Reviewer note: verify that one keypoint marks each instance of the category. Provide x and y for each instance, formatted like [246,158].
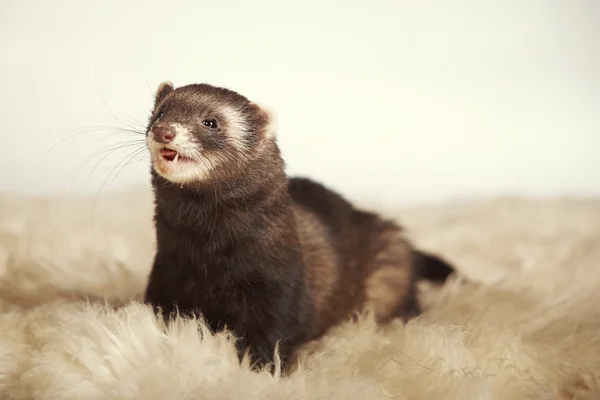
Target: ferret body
[276,260]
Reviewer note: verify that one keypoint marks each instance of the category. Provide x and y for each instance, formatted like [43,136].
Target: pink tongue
[168,154]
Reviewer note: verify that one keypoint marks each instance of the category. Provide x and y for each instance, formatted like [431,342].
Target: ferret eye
[160,114]
[211,123]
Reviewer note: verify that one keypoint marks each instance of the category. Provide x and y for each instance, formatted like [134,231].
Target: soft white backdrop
[398,100]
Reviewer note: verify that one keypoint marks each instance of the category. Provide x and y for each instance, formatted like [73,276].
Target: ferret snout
[163,134]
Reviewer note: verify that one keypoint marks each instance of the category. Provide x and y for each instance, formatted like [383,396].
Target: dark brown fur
[275,260]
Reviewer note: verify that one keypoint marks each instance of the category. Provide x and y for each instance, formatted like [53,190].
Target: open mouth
[171,155]
[177,166]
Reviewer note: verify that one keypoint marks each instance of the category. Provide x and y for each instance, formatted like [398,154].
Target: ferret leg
[390,287]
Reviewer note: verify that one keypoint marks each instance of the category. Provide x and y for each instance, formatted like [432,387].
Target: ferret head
[197,130]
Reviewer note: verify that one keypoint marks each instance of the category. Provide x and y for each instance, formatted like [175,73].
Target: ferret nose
[163,134]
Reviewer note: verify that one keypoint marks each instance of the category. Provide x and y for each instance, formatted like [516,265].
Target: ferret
[275,260]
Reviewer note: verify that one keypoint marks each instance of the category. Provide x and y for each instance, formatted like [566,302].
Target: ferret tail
[432,267]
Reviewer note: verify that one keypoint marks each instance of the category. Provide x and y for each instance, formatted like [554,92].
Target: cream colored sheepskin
[526,326]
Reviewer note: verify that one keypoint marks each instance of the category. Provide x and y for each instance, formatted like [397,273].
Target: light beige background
[403,100]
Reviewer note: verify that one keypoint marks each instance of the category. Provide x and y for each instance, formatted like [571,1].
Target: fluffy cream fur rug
[525,326]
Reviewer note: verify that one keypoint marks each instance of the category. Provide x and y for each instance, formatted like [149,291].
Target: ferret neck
[243,197]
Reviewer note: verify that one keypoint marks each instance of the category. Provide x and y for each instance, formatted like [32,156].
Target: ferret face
[196,130]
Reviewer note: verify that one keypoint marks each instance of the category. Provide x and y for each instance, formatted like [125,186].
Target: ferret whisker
[106,104]
[103,184]
[134,122]
[108,150]
[94,168]
[140,155]
[113,147]
[128,161]
[141,131]
[143,156]
[147,84]
[141,151]
[94,130]
[136,160]
[121,133]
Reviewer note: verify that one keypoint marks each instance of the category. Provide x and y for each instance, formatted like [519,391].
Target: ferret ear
[163,90]
[264,120]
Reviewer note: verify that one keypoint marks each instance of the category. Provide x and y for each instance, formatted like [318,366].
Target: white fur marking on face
[181,171]
[237,127]
[183,138]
